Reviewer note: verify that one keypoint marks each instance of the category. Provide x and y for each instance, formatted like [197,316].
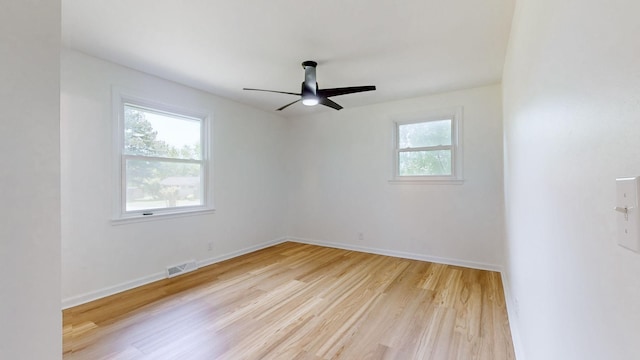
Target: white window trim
[120,97]
[455,114]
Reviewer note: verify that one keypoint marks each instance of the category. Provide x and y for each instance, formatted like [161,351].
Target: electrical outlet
[210,246]
[360,236]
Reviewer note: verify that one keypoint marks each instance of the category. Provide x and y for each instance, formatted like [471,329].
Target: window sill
[414,181]
[159,216]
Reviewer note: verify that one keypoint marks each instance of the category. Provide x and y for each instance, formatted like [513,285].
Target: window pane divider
[163,159]
[426,148]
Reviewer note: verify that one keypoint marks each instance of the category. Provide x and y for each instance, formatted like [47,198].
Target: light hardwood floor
[297,301]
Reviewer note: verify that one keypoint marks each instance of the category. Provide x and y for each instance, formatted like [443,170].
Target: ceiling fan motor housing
[309,86]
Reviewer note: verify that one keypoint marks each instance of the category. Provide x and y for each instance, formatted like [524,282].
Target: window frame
[121,98]
[455,115]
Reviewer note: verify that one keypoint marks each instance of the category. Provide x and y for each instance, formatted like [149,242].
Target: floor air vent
[181,269]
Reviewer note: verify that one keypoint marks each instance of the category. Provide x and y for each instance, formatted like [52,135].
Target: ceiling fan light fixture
[310,101]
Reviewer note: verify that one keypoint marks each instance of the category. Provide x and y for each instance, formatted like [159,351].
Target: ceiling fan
[311,95]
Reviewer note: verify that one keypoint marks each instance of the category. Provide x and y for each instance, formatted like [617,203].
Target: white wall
[249,162]
[30,180]
[572,126]
[341,164]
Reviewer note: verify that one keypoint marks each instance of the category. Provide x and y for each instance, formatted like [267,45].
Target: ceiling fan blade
[289,104]
[344,90]
[273,91]
[330,103]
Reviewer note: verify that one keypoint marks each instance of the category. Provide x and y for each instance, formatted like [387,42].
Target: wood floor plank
[299,301]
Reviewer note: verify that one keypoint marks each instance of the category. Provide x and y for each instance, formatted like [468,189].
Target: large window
[162,160]
[428,148]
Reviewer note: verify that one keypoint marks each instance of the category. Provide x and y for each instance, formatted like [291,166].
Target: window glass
[150,133]
[421,163]
[162,184]
[423,134]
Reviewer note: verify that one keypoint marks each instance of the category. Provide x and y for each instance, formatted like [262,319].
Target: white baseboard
[400,254]
[112,290]
[513,318]
[240,252]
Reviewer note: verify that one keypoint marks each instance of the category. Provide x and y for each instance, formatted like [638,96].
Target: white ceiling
[406,48]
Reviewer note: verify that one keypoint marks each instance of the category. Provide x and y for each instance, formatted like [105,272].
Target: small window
[429,148]
[162,160]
